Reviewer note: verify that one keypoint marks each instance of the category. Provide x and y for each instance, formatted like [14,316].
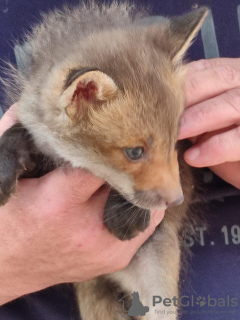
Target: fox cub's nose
[175,201]
[153,199]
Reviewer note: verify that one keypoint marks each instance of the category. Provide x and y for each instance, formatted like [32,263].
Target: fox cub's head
[122,102]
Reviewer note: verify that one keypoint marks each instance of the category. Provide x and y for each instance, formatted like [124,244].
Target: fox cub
[101,88]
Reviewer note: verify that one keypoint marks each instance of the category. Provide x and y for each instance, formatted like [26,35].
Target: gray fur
[138,56]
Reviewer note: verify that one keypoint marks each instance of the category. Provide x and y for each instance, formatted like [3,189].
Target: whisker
[133,219]
[116,217]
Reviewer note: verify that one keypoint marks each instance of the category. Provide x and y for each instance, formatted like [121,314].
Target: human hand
[52,231]
[212,117]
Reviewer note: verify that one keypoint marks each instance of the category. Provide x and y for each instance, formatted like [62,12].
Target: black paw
[15,159]
[123,219]
[8,177]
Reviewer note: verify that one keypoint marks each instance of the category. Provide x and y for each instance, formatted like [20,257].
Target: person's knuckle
[218,142]
[199,113]
[237,134]
[213,146]
[232,97]
[192,86]
[227,74]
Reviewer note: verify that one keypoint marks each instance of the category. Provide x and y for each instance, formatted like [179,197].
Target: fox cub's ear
[182,30]
[85,88]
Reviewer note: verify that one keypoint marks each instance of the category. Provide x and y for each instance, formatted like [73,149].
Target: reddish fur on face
[147,119]
[154,171]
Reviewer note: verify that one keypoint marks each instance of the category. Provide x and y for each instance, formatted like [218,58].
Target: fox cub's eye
[134,153]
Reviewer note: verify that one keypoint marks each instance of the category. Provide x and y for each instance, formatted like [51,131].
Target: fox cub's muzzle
[157,199]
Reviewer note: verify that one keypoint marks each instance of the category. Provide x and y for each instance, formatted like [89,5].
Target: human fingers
[204,64]
[212,80]
[214,149]
[216,113]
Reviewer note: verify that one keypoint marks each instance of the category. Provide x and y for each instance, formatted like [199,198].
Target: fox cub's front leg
[16,149]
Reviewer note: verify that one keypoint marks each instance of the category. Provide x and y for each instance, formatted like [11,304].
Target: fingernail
[192,154]
[200,65]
